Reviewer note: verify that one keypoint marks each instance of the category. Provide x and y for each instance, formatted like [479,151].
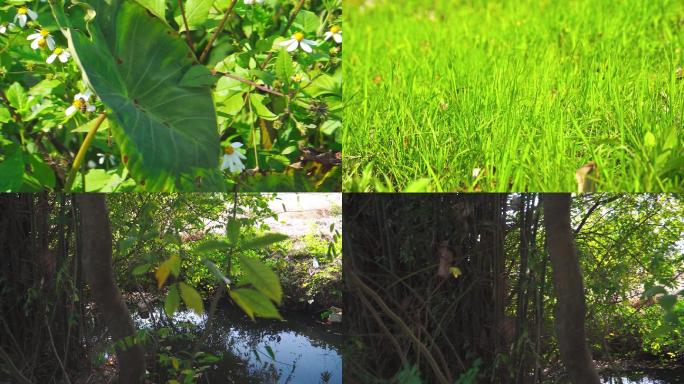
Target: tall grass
[526,91]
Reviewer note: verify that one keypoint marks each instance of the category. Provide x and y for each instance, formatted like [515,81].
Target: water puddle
[660,376]
[298,350]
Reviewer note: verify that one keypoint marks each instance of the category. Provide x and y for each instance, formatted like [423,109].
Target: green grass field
[528,91]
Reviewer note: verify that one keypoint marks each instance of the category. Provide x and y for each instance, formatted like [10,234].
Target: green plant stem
[218,30]
[185,23]
[253,84]
[295,11]
[254,144]
[82,151]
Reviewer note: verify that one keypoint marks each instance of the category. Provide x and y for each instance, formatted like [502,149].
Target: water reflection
[298,350]
[675,376]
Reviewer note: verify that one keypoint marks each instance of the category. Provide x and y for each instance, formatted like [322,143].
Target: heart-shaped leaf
[137,65]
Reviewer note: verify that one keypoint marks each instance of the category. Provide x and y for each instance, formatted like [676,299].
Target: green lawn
[528,91]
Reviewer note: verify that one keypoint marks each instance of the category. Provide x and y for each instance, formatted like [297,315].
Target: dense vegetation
[461,288]
[162,95]
[478,95]
[68,270]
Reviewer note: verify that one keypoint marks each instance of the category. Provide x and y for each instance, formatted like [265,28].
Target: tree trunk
[96,239]
[567,279]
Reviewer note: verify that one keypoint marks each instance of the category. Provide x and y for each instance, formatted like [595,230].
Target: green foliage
[172,265]
[254,303]
[261,277]
[191,298]
[172,301]
[172,98]
[193,244]
[631,258]
[305,285]
[408,375]
[164,129]
[525,91]
[471,375]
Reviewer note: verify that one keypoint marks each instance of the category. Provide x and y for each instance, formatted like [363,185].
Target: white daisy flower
[80,103]
[6,27]
[232,159]
[250,2]
[41,38]
[23,14]
[335,32]
[60,53]
[298,40]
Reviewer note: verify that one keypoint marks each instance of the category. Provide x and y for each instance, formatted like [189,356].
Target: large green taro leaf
[165,126]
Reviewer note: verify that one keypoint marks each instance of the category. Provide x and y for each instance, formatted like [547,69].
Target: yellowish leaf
[586,177]
[162,273]
[455,272]
[167,267]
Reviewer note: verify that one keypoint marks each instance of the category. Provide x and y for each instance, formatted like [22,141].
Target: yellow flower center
[44,32]
[297,78]
[79,103]
[335,29]
[42,42]
[229,150]
[58,51]
[298,36]
[22,10]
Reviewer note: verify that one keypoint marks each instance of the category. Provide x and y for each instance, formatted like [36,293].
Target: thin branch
[218,30]
[383,327]
[185,23]
[54,348]
[14,371]
[591,210]
[356,281]
[253,84]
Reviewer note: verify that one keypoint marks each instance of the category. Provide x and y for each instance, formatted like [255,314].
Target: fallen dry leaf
[586,177]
